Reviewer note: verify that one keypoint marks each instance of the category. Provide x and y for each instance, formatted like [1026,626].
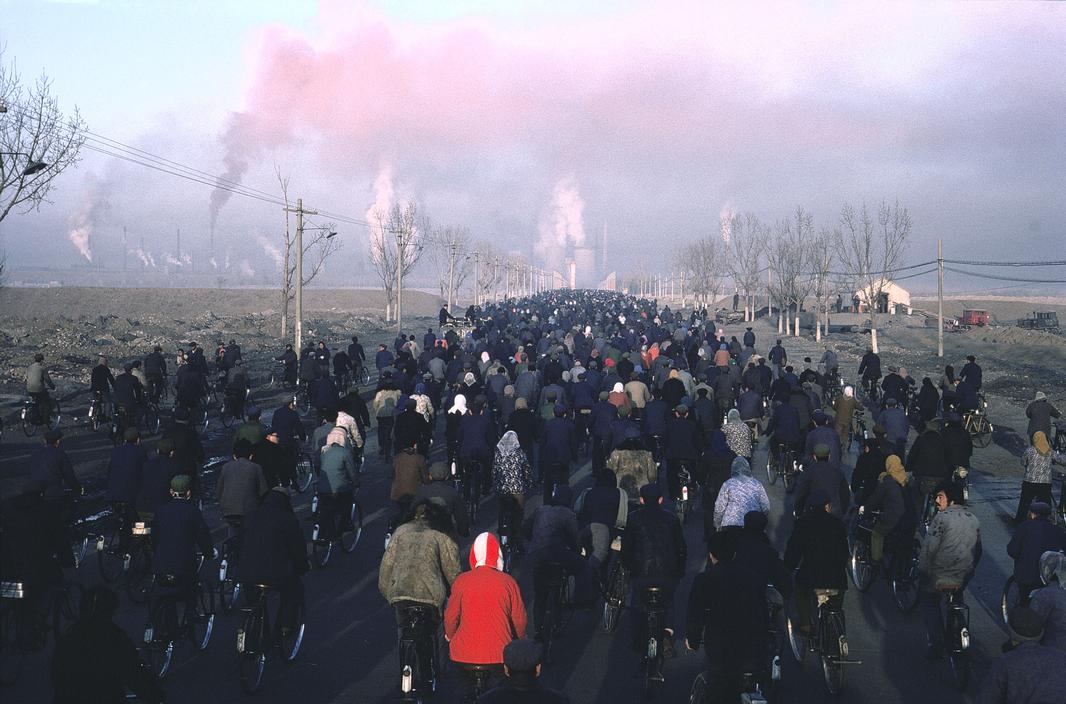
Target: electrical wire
[1003,278]
[983,263]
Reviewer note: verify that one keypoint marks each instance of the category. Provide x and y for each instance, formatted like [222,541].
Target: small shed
[894,299]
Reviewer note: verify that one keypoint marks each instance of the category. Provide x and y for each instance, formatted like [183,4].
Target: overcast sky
[524,120]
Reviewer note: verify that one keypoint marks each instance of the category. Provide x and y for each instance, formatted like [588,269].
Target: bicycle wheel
[79,547]
[834,653]
[771,470]
[861,566]
[92,418]
[290,642]
[305,473]
[251,656]
[29,427]
[353,531]
[682,510]
[321,551]
[160,655]
[1011,596]
[229,594]
[151,418]
[905,581]
[982,432]
[57,415]
[698,694]
[612,602]
[225,414]
[138,576]
[796,640]
[201,623]
[789,480]
[109,557]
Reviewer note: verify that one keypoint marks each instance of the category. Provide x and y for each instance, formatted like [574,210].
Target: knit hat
[1024,624]
[1040,396]
[520,404]
[485,552]
[821,451]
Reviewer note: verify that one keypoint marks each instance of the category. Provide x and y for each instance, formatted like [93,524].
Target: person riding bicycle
[870,369]
[189,386]
[830,362]
[512,479]
[477,439]
[1032,539]
[1050,600]
[555,540]
[822,434]
[948,559]
[129,394]
[654,554]
[928,463]
[384,404]
[894,385]
[823,476]
[784,430]
[114,666]
[818,552]
[356,354]
[485,611]
[290,362]
[739,494]
[558,449]
[602,510]
[273,552]
[155,368]
[754,551]
[29,556]
[188,449]
[236,388]
[778,359]
[241,484]
[125,470]
[1027,672]
[682,445]
[409,471]
[338,480]
[892,497]
[958,443]
[521,668]
[38,384]
[101,380]
[894,420]
[178,531]
[342,366]
[633,464]
[440,491]
[971,372]
[51,470]
[324,394]
[1036,482]
[728,616]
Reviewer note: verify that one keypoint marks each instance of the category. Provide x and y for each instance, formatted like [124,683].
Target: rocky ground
[72,326]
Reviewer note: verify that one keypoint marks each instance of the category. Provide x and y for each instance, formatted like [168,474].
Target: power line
[1004,278]
[983,263]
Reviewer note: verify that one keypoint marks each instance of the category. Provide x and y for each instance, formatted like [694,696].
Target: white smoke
[563,224]
[246,269]
[384,193]
[89,212]
[213,262]
[272,251]
[147,260]
[171,260]
[725,216]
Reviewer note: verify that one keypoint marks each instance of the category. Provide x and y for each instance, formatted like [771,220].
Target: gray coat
[337,471]
[240,486]
[1040,414]
[894,421]
[37,379]
[1029,674]
[1050,602]
[951,548]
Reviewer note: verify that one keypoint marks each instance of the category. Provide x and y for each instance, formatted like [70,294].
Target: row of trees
[791,261]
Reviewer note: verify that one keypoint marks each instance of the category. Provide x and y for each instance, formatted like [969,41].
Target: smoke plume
[93,205]
[272,251]
[563,224]
[146,259]
[384,193]
[725,217]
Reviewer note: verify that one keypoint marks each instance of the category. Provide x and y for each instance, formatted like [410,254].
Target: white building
[894,299]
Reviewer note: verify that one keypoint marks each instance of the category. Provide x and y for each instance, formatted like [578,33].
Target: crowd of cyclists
[507,403]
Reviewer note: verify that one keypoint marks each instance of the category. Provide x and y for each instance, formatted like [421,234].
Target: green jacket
[419,565]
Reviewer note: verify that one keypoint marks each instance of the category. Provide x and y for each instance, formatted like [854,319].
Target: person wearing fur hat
[485,610]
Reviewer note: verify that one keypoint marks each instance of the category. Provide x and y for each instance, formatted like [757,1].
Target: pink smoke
[93,205]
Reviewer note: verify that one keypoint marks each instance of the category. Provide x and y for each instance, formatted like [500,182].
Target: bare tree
[871,251]
[449,250]
[785,254]
[803,253]
[743,249]
[487,273]
[38,142]
[702,263]
[822,256]
[397,242]
[318,246]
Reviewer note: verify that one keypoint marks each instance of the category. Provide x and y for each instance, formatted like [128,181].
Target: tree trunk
[796,330]
[780,322]
[873,330]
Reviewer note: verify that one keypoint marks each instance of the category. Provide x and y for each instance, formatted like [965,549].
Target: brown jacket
[409,473]
[844,408]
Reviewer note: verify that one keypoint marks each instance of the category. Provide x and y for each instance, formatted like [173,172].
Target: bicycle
[957,635]
[305,472]
[689,490]
[111,544]
[827,639]
[653,635]
[902,564]
[152,416]
[751,690]
[30,417]
[232,408]
[25,625]
[157,390]
[977,424]
[166,626]
[782,462]
[344,382]
[1059,441]
[419,653]
[481,676]
[335,526]
[857,429]
[137,563]
[256,638]
[470,487]
[558,608]
[872,389]
[197,412]
[98,413]
[615,593]
[229,589]
[508,508]
[280,375]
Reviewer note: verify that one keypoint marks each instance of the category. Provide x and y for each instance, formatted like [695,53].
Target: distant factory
[580,266]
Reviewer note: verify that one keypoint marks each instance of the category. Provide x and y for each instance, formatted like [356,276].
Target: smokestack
[179,244]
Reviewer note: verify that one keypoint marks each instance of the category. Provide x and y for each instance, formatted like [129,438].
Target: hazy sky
[529,122]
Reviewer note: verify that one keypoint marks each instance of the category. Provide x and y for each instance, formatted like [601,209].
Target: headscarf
[1040,442]
[733,416]
[337,436]
[459,405]
[1053,566]
[485,552]
[484,356]
[508,390]
[849,391]
[894,468]
[618,388]
[508,443]
[469,379]
[903,372]
[740,468]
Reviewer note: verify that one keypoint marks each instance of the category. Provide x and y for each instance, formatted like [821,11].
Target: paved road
[350,649]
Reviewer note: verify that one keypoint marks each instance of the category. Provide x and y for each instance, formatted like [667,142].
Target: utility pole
[451,274]
[939,298]
[399,280]
[477,281]
[125,248]
[496,279]
[769,296]
[298,326]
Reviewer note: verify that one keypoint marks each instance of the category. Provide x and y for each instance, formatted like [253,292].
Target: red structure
[974,317]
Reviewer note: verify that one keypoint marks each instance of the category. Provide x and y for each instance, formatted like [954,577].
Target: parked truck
[1040,320]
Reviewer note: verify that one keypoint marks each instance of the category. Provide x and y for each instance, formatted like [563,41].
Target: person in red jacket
[485,611]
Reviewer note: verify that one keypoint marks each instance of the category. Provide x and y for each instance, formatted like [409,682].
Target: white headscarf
[459,405]
[618,388]
[508,443]
[849,391]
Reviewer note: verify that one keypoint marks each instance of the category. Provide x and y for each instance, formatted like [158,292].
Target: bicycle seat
[948,588]
[476,667]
